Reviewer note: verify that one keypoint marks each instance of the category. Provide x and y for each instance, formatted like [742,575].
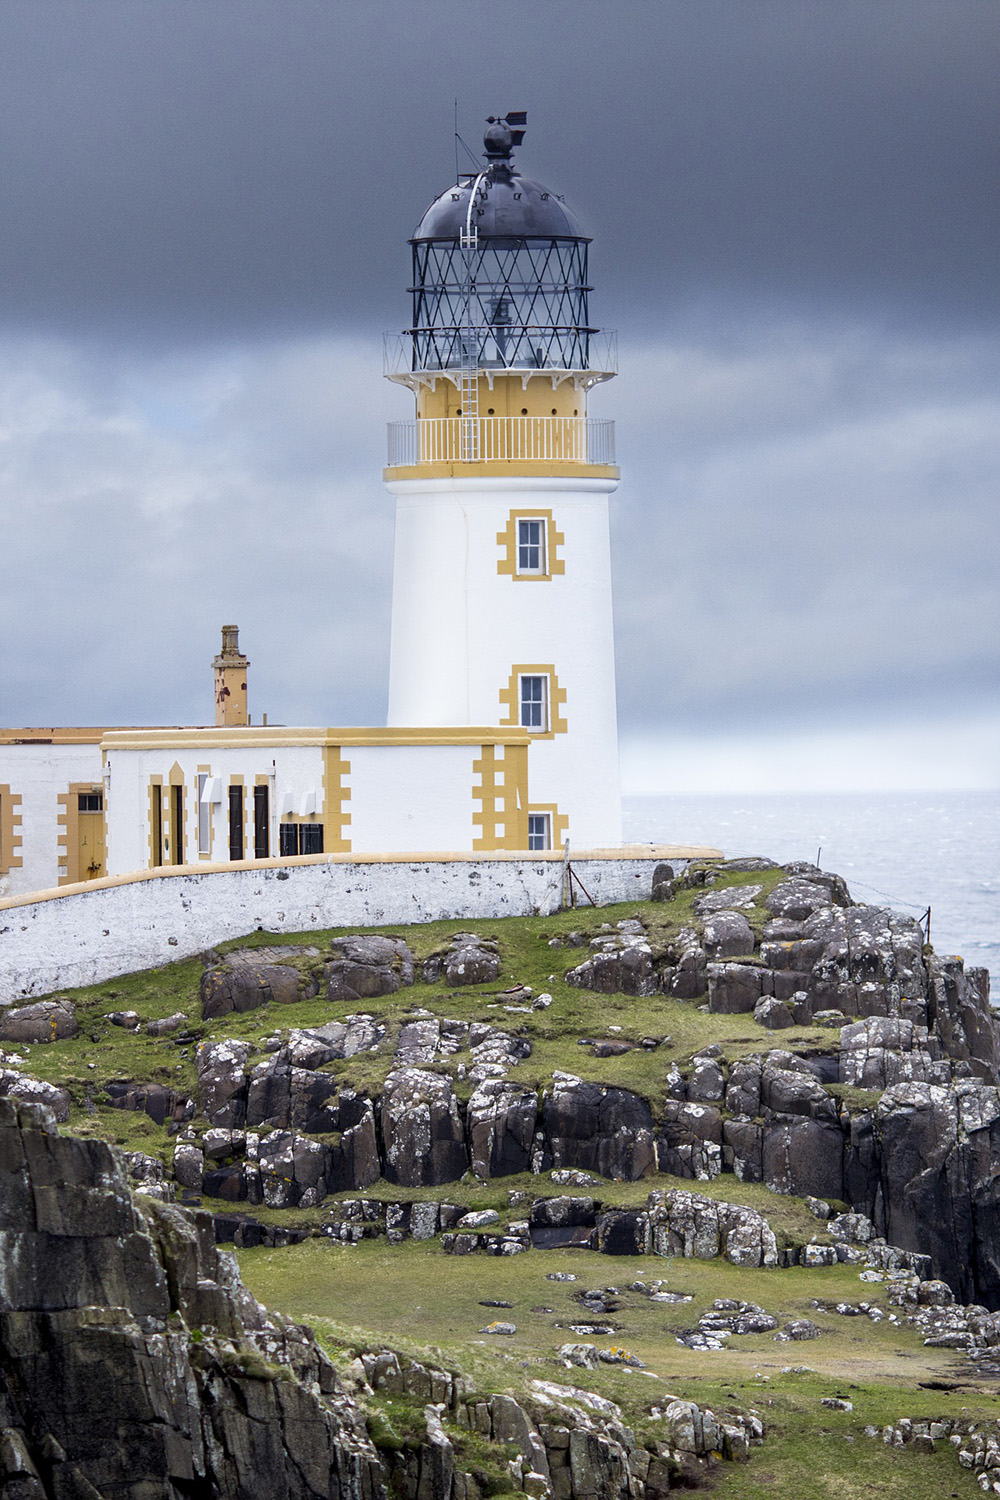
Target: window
[539,831]
[236,822]
[530,545]
[261,821]
[90,802]
[301,838]
[533,698]
[310,838]
[204,815]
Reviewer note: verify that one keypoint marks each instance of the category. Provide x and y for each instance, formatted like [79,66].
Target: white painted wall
[39,773]
[118,926]
[296,770]
[458,627]
[411,797]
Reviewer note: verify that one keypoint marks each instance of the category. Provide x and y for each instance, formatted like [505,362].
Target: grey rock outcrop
[18,1085]
[280,1096]
[727,934]
[597,1129]
[688,1224]
[471,960]
[163,1105]
[501,1126]
[773,1014]
[45,1021]
[133,1361]
[365,966]
[422,1129]
[245,981]
[733,989]
[621,964]
[959,1012]
[883,1050]
[936,1154]
[222,1081]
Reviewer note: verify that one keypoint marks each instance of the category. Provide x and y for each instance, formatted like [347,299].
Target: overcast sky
[794,206]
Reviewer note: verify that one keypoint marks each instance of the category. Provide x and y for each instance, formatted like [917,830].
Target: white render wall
[39,773]
[401,796]
[458,627]
[295,771]
[118,926]
[410,797]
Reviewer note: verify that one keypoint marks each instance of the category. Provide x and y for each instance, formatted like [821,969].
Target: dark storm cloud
[793,202]
[176,169]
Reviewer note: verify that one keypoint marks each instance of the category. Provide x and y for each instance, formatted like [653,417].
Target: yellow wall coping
[251,736]
[648,852]
[515,468]
[61,736]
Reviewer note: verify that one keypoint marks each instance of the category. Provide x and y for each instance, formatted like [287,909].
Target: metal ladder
[468,375]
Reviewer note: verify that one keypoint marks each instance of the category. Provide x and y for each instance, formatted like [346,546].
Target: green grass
[416,1299]
[105,1053]
[426,1304]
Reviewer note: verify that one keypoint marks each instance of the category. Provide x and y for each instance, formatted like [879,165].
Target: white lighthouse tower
[501,604]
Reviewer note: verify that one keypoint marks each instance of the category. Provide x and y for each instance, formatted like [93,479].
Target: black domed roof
[508,206]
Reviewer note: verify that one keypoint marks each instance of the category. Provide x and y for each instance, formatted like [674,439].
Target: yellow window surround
[507,542]
[510,699]
[558,822]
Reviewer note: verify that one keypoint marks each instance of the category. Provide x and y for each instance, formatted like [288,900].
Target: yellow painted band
[89,736]
[257,737]
[510,468]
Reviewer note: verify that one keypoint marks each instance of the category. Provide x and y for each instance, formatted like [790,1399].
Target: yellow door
[90,834]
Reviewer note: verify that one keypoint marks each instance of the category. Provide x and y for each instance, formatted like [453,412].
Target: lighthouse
[501,601]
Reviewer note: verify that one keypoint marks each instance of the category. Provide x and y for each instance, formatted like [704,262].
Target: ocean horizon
[905,850]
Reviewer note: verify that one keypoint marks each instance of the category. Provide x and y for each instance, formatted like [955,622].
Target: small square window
[300,838]
[530,545]
[539,831]
[533,693]
[90,802]
[310,838]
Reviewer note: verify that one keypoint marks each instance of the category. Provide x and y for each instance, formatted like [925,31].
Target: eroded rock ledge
[134,1365]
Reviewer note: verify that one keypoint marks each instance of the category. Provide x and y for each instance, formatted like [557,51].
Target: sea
[907,851]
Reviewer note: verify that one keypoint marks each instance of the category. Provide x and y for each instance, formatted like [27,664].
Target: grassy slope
[427,1303]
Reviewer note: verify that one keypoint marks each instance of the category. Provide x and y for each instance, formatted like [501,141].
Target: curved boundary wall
[84,934]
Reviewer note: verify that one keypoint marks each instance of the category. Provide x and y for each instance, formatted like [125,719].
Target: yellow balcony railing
[446,440]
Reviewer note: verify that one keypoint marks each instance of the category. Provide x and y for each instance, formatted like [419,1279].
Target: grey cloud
[172,170]
[794,216]
[131,532]
[822,558]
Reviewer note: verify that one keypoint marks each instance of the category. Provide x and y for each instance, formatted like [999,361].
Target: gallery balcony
[505,442]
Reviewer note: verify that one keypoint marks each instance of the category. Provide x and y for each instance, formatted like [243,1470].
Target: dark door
[261,824]
[176,825]
[236,822]
[156,804]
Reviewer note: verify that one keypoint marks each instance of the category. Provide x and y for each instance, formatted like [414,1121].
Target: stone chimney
[230,680]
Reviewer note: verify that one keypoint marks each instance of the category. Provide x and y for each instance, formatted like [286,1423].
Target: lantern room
[500,351]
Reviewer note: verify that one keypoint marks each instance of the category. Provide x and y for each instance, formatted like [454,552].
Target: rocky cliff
[891,1108]
[132,1360]
[134,1363]
[886,1100]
